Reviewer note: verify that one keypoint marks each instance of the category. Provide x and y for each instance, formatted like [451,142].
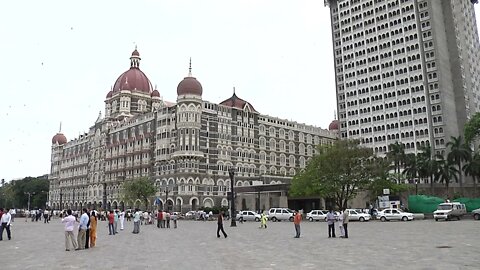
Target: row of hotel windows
[389,116]
[405,145]
[388,94]
[387,105]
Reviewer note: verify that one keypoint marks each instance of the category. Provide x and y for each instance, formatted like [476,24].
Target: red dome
[59,138]
[333,125]
[133,79]
[155,93]
[189,86]
[135,53]
[110,94]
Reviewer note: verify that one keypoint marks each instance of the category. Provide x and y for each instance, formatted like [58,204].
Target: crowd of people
[87,223]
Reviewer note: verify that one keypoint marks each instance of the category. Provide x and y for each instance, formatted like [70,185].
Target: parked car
[476,214]
[394,214]
[278,214]
[248,216]
[190,215]
[447,211]
[355,215]
[317,215]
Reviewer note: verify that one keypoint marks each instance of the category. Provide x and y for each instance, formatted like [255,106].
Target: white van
[449,210]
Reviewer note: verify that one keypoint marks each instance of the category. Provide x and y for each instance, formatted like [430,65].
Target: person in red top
[159,219]
[111,219]
[296,221]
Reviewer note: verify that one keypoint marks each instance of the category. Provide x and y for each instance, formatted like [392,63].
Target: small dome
[155,93]
[110,94]
[333,125]
[189,86]
[135,53]
[59,138]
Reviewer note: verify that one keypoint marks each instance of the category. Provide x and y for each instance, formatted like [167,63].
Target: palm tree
[459,152]
[472,168]
[397,155]
[446,171]
[411,166]
[427,165]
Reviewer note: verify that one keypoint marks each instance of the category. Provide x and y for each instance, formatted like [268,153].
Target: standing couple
[342,219]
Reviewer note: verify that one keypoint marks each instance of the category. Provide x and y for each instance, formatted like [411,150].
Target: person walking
[174,219]
[296,221]
[160,216]
[111,220]
[87,232]
[46,214]
[82,229]
[115,221]
[263,221]
[164,215]
[220,225]
[340,224]
[167,218]
[136,222]
[69,221]
[331,223]
[345,222]
[6,220]
[122,219]
[93,229]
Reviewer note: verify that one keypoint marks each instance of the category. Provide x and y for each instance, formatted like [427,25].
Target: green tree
[397,155]
[411,167]
[141,188]
[339,172]
[472,128]
[459,152]
[427,165]
[13,193]
[446,171]
[472,168]
[383,179]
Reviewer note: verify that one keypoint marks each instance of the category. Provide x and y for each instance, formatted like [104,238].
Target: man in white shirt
[69,226]
[6,220]
[82,229]
[122,219]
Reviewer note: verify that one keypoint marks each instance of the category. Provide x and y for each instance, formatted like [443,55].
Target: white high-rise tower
[406,70]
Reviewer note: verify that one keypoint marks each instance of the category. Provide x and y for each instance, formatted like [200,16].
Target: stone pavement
[372,245]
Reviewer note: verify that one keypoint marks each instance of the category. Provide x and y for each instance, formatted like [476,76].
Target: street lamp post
[61,203]
[231,173]
[29,195]
[166,198]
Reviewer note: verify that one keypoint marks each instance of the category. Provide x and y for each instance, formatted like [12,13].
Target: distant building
[187,147]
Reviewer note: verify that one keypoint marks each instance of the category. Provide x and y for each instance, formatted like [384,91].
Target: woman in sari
[93,229]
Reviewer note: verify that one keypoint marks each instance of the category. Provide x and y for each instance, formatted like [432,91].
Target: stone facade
[187,147]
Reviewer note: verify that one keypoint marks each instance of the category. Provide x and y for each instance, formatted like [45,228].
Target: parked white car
[317,215]
[278,214]
[476,214]
[355,215]
[447,211]
[248,216]
[394,214]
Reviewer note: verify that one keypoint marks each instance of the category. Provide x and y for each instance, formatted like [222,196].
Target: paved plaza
[422,244]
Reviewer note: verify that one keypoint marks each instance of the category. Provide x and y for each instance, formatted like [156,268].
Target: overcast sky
[60,59]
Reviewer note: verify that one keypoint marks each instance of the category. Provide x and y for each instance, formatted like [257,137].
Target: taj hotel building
[407,71]
[186,147]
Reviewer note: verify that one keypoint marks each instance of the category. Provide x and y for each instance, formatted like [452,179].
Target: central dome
[189,86]
[133,79]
